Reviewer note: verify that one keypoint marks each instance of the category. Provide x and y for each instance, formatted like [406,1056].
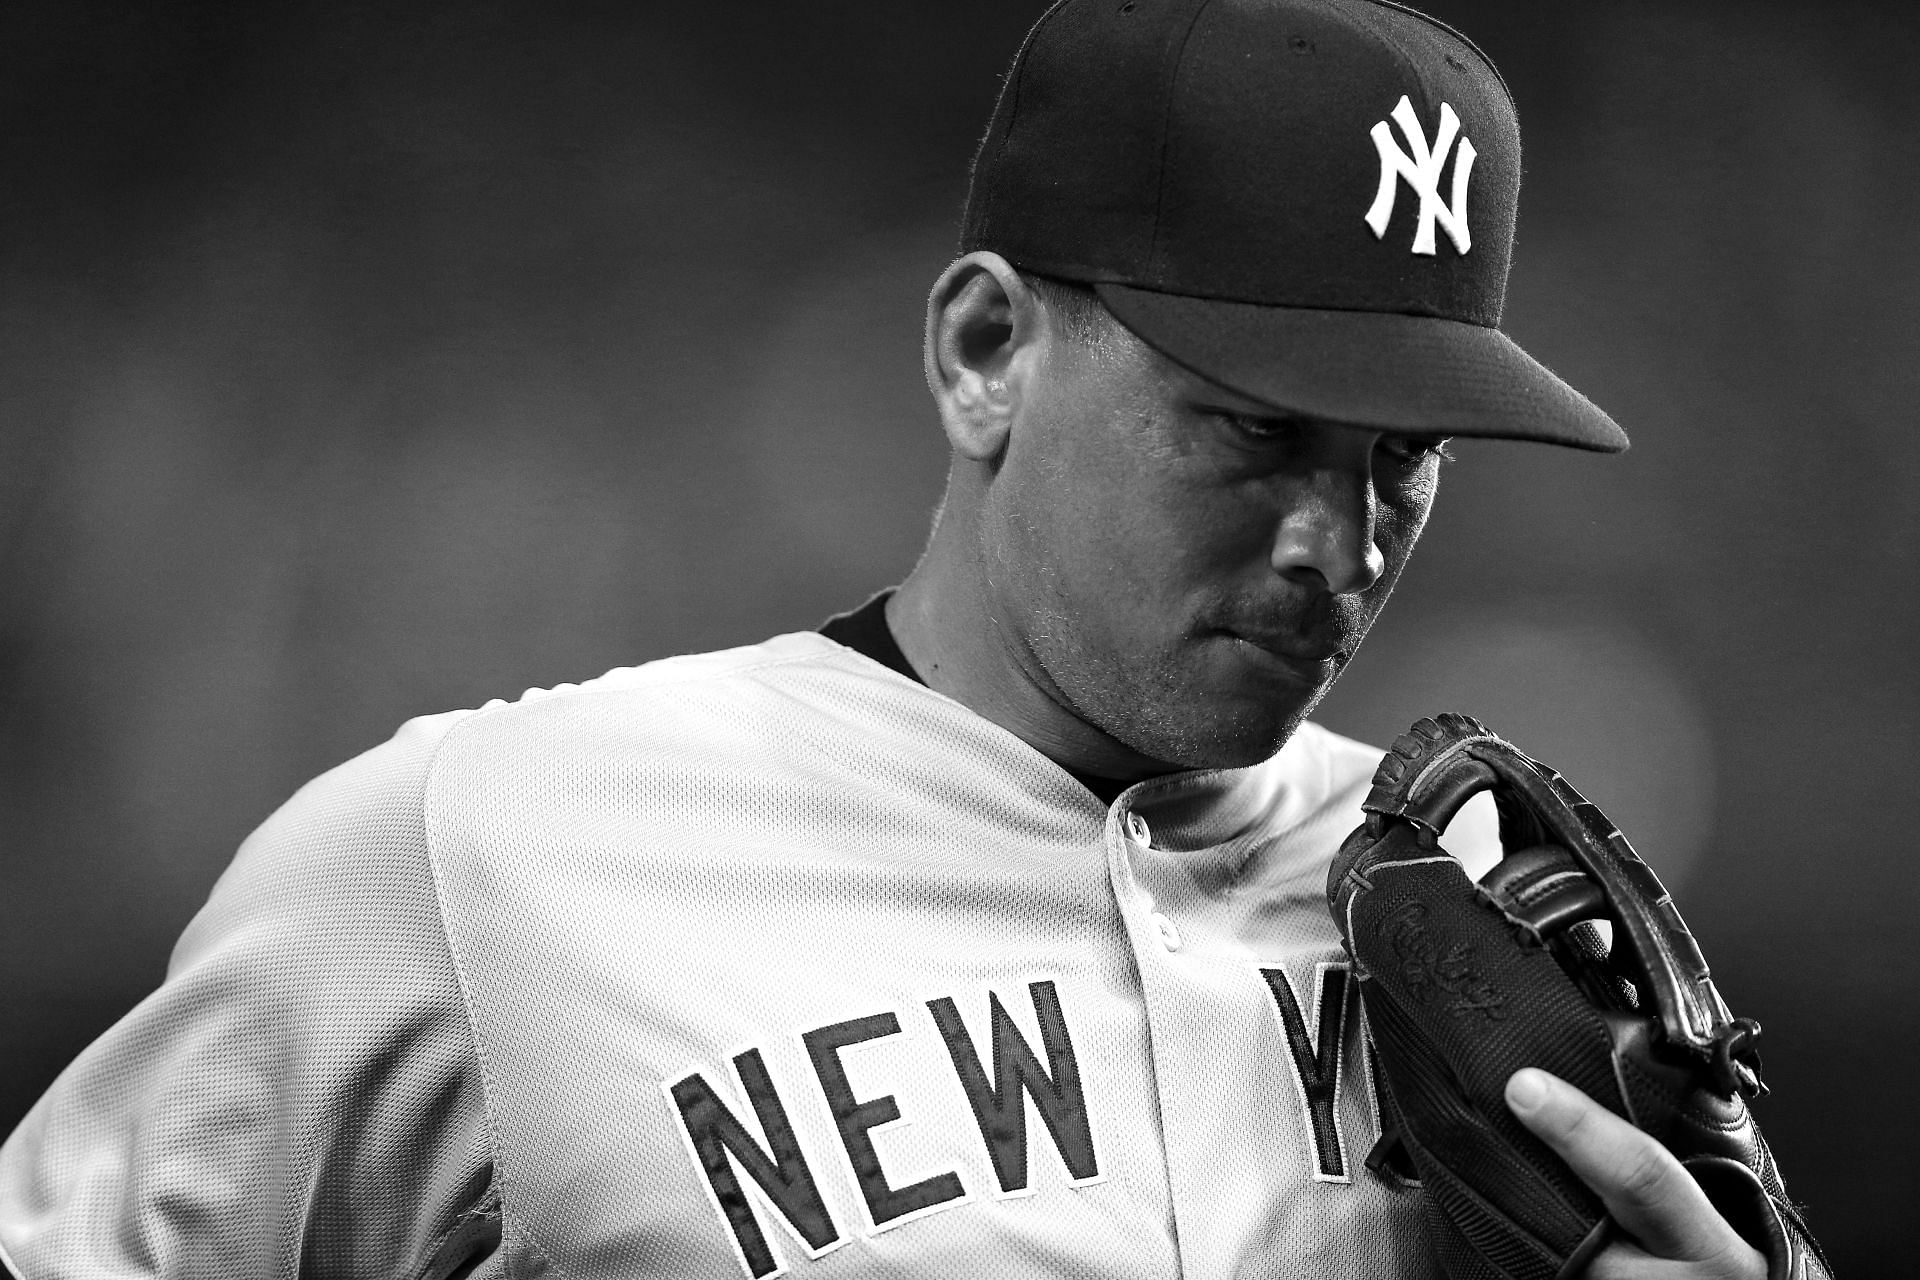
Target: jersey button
[1169,935]
[1139,831]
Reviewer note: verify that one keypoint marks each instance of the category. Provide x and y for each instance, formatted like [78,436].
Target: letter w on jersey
[1420,164]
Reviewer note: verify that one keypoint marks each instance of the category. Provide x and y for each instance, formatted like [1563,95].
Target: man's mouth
[1309,657]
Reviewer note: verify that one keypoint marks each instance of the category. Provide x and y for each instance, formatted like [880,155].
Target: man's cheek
[1397,530]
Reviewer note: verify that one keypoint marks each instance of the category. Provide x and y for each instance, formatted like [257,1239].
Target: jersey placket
[1262,1136]
[1181,1013]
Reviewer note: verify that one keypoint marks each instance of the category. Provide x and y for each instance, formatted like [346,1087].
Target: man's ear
[984,342]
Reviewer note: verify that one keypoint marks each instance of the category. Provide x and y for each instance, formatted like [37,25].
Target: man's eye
[1262,428]
[1414,450]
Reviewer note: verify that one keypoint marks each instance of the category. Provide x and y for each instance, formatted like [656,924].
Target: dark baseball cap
[1310,202]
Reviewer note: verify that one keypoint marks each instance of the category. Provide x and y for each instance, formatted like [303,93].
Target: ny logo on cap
[1422,172]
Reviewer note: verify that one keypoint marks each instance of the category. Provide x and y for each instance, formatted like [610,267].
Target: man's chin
[1241,732]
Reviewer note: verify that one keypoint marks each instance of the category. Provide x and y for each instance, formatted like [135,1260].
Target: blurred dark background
[364,361]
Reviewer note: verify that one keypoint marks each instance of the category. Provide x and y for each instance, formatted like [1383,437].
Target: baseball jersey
[738,964]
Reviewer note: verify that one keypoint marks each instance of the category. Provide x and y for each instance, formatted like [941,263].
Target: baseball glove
[1465,983]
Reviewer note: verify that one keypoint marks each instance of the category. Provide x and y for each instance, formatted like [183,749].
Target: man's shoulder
[714,668]
[373,815]
[686,695]
[796,710]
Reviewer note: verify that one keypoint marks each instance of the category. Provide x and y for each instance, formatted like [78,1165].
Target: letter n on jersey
[780,1168]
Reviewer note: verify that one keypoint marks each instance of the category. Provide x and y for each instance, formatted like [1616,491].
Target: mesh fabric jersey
[762,960]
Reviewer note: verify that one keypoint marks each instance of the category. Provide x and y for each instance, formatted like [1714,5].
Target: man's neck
[962,646]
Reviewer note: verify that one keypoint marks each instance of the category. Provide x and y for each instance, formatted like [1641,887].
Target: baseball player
[984,931]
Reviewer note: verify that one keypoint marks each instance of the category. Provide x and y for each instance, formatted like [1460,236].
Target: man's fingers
[1646,1190]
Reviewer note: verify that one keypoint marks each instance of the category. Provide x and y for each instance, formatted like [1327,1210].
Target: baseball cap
[1310,202]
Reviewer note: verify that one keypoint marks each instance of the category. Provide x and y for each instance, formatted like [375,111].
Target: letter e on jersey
[856,1120]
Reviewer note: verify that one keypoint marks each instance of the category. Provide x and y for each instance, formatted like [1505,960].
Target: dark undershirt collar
[865,631]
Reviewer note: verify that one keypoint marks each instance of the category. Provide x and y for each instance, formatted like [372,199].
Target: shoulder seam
[464,988]
[503,1175]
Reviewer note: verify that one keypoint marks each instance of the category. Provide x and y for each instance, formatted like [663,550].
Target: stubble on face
[1128,562]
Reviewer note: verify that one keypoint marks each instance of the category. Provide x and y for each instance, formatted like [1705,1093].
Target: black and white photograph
[726,641]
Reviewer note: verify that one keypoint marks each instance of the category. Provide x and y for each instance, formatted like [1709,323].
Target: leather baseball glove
[1465,983]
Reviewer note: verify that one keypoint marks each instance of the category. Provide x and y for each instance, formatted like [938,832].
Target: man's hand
[1676,1232]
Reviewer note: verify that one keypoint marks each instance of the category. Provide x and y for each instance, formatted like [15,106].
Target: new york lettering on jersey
[891,989]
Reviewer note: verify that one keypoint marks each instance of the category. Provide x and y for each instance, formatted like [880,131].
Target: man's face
[1182,568]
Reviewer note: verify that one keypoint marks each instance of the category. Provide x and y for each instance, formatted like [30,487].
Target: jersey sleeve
[301,1097]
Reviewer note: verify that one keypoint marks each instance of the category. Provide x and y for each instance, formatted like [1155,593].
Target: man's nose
[1327,531]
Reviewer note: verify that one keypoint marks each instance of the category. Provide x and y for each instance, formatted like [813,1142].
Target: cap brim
[1400,372]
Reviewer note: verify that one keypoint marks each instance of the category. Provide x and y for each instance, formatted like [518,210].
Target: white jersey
[754,962]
